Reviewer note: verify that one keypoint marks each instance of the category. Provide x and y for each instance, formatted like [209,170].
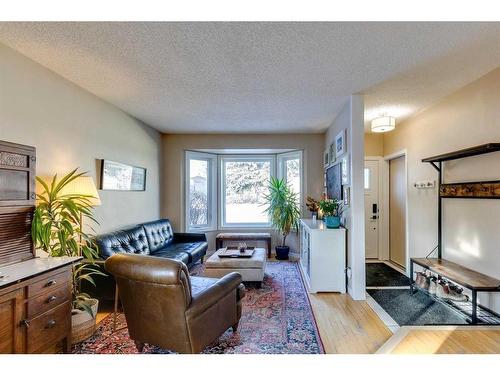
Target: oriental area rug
[276,319]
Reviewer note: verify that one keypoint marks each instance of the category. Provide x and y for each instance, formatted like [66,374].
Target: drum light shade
[383,124]
[83,185]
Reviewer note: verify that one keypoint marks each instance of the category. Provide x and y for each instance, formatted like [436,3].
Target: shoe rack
[466,277]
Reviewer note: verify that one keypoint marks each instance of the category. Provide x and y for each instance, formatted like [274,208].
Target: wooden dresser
[35,293]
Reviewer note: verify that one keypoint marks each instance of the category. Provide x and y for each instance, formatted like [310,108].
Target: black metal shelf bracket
[435,166]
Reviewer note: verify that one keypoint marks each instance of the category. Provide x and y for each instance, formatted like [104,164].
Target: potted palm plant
[331,209]
[283,210]
[57,229]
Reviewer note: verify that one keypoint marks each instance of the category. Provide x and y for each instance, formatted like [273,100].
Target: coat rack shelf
[466,277]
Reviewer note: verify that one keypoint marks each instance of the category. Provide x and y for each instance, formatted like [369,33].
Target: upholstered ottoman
[250,269]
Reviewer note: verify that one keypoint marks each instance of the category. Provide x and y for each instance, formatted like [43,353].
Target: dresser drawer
[46,301]
[49,282]
[48,328]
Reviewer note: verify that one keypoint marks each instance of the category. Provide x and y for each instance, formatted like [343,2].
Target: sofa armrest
[213,294]
[189,237]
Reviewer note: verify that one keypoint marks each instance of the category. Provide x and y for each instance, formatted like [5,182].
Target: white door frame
[382,240]
[385,175]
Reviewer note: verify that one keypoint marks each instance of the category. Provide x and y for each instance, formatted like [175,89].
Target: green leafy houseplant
[332,210]
[283,210]
[57,229]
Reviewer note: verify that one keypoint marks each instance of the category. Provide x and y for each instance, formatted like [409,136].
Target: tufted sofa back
[159,234]
[132,241]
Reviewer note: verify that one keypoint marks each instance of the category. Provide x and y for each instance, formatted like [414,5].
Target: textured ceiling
[260,77]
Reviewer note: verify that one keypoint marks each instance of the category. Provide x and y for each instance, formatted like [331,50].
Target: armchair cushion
[210,293]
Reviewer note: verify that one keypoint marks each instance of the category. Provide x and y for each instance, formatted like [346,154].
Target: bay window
[228,191]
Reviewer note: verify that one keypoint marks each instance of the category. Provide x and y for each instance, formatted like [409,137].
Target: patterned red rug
[276,319]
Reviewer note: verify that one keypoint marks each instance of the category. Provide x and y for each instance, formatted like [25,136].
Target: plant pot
[282,252]
[332,222]
[82,323]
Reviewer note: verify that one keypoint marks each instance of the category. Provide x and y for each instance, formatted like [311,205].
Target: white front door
[371,209]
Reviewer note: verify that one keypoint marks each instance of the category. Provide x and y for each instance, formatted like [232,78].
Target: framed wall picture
[334,182]
[118,176]
[332,153]
[340,143]
[347,195]
[345,170]
[326,159]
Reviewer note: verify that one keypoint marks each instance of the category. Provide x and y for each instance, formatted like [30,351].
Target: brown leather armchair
[166,307]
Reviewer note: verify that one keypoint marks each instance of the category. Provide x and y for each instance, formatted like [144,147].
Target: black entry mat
[380,274]
[418,309]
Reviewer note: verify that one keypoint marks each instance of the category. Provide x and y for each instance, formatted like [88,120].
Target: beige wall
[72,128]
[469,117]
[174,146]
[374,144]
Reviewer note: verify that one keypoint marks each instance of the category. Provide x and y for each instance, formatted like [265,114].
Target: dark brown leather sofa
[166,307]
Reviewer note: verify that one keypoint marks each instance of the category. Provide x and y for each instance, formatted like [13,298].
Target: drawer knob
[51,299]
[51,282]
[51,323]
[25,323]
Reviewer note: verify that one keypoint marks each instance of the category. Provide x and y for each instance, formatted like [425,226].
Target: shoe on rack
[424,281]
[456,294]
[432,285]
[418,277]
[442,289]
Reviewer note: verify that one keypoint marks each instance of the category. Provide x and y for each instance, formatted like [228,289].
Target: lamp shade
[383,124]
[83,185]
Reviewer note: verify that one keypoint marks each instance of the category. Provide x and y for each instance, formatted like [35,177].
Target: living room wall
[174,146]
[72,128]
[469,117]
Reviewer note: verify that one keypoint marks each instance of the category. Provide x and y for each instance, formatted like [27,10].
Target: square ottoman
[251,269]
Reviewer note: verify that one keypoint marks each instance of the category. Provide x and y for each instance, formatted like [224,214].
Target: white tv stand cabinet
[322,256]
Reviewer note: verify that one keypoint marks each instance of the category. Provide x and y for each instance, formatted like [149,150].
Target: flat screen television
[334,182]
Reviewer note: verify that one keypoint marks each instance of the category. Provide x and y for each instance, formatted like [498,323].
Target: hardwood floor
[347,326]
[352,327]
[444,340]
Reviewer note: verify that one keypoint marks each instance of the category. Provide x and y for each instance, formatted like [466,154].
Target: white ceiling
[260,77]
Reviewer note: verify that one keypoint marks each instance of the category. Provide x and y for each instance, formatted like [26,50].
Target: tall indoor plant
[284,212]
[58,230]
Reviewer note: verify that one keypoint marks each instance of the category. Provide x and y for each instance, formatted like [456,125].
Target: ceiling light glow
[383,124]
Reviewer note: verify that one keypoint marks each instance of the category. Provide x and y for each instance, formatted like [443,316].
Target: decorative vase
[83,325]
[332,222]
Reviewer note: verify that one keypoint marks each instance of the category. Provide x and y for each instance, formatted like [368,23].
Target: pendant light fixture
[383,124]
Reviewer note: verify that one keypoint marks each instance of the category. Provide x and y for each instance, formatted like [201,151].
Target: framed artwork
[334,182]
[347,195]
[326,159]
[118,176]
[332,153]
[340,143]
[345,170]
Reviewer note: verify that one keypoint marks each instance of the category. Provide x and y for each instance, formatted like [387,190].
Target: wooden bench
[470,279]
[221,237]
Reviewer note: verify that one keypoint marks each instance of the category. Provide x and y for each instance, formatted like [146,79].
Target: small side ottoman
[251,269]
